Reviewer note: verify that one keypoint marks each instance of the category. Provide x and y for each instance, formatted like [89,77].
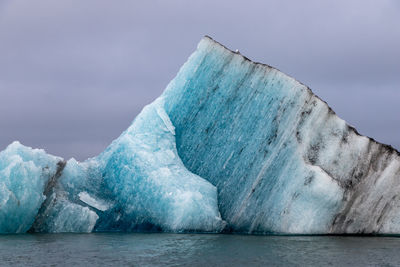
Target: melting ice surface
[231,145]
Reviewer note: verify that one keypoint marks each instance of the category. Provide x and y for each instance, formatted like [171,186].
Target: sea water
[162,249]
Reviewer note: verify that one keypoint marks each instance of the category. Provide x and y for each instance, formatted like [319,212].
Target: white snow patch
[91,201]
[165,118]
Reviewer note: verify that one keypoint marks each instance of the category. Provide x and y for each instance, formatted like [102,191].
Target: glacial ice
[149,182]
[231,145]
[138,183]
[24,173]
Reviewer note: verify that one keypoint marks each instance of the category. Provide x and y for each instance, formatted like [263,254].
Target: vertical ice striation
[281,159]
[231,145]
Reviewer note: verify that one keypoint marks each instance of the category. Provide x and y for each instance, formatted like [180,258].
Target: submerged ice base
[231,145]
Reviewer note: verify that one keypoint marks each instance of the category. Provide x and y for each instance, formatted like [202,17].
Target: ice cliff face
[281,159]
[231,145]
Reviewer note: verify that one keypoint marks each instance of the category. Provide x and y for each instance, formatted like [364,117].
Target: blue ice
[230,145]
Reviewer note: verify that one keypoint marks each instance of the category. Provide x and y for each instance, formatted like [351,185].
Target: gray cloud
[73,74]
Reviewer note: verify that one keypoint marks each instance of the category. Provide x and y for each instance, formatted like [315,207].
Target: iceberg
[231,145]
[25,174]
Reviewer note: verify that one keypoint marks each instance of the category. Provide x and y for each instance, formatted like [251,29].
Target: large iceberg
[231,145]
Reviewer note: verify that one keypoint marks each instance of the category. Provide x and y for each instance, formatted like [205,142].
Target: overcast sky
[75,73]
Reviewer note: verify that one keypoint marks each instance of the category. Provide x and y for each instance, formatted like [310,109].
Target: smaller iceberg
[24,175]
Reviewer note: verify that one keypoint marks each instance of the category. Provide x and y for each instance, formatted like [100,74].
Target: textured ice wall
[62,211]
[24,175]
[138,183]
[281,159]
[231,144]
[152,187]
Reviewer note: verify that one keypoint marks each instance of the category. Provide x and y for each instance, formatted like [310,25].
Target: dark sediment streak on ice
[230,142]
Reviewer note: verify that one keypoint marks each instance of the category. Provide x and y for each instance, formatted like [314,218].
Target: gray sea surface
[160,249]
